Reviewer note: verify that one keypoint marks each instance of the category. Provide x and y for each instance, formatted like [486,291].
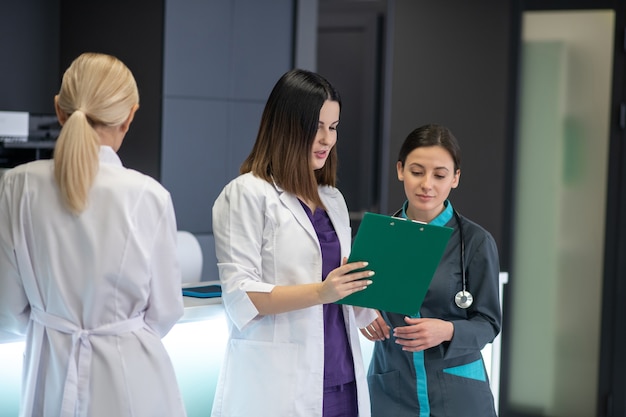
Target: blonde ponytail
[97,90]
[76,161]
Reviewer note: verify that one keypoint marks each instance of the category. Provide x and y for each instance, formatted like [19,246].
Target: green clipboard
[404,255]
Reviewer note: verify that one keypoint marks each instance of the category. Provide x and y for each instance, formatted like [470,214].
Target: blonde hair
[97,90]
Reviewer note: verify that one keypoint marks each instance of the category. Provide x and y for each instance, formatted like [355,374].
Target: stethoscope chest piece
[463,299]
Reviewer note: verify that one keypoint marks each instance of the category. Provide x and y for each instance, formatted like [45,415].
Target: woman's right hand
[342,281]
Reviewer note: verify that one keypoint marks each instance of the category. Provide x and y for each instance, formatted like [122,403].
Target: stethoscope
[463,298]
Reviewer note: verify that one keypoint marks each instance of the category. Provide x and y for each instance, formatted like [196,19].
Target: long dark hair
[286,134]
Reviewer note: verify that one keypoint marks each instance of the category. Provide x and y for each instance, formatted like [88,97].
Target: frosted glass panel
[559,215]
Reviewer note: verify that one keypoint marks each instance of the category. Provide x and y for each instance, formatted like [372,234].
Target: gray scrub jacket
[450,379]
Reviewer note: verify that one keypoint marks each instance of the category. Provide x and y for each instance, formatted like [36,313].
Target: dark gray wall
[40,38]
[29,79]
[221,60]
[350,55]
[448,63]
[29,47]
[133,32]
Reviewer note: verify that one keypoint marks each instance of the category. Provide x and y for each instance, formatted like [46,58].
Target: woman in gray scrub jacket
[431,364]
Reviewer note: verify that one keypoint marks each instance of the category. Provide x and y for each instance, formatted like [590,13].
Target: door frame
[611,400]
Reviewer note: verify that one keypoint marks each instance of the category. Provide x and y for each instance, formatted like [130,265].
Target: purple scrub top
[338,363]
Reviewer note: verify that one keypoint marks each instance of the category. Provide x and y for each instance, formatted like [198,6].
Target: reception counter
[195,344]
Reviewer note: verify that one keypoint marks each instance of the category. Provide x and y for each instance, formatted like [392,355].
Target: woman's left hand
[423,333]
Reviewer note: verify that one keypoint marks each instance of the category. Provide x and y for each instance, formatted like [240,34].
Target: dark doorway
[350,55]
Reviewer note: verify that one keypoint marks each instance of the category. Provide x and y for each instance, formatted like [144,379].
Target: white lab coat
[274,365]
[94,293]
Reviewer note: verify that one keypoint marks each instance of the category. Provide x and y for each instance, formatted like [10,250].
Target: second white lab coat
[94,293]
[274,365]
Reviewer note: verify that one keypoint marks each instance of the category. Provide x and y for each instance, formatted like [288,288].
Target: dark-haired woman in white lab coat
[281,231]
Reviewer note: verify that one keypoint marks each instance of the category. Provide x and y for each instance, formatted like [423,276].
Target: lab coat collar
[293,204]
[108,156]
[327,195]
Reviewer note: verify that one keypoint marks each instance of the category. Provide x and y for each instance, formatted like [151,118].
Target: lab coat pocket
[270,372]
[473,370]
[470,385]
[387,394]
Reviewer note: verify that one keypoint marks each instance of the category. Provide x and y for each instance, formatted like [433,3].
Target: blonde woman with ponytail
[88,271]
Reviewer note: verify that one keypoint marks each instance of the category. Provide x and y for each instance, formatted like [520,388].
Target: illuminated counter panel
[196,346]
[11,359]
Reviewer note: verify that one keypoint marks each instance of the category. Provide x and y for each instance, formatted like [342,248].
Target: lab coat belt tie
[76,389]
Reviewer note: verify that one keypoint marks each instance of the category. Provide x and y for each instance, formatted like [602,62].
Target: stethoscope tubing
[463,299]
